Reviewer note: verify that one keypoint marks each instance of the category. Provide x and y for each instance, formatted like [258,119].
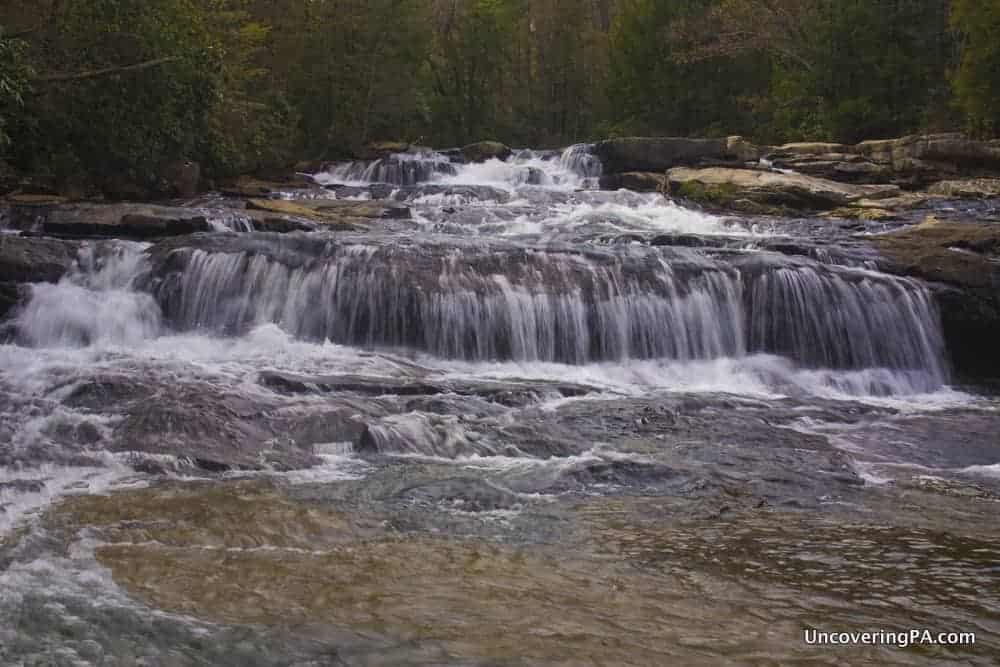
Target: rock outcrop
[749,188]
[30,260]
[963,260]
[969,188]
[952,164]
[130,221]
[634,154]
[912,161]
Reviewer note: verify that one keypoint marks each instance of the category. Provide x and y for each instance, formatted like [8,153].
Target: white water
[680,327]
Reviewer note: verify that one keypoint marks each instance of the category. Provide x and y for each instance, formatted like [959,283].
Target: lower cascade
[510,302]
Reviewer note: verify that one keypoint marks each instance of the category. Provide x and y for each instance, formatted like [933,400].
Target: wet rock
[684,240]
[265,221]
[638,181]
[505,393]
[723,187]
[133,221]
[965,257]
[967,188]
[632,474]
[23,486]
[11,296]
[465,192]
[332,212]
[486,150]
[533,176]
[103,390]
[250,186]
[638,154]
[468,494]
[382,149]
[29,260]
[843,167]
[216,430]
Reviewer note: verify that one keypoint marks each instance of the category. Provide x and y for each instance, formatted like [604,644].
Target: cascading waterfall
[845,320]
[97,303]
[403,169]
[513,303]
[580,159]
[576,166]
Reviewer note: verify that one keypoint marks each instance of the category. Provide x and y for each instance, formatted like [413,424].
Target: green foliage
[14,75]
[656,91]
[116,88]
[977,80]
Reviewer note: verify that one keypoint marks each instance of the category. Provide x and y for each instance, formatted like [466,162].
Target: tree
[977,79]
[14,77]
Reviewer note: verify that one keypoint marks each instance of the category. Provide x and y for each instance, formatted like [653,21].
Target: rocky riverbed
[469,407]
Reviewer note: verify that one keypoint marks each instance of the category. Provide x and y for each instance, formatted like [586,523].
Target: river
[530,422]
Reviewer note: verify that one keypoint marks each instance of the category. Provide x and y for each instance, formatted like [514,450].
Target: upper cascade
[575,167]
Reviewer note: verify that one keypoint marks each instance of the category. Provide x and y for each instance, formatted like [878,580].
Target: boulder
[742,150]
[34,260]
[180,178]
[657,153]
[962,260]
[725,187]
[381,149]
[486,150]
[639,181]
[30,260]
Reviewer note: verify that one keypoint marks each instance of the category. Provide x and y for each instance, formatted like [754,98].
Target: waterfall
[580,160]
[403,169]
[500,302]
[575,167]
[847,320]
[97,303]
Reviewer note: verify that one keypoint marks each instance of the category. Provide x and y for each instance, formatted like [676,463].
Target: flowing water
[533,423]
